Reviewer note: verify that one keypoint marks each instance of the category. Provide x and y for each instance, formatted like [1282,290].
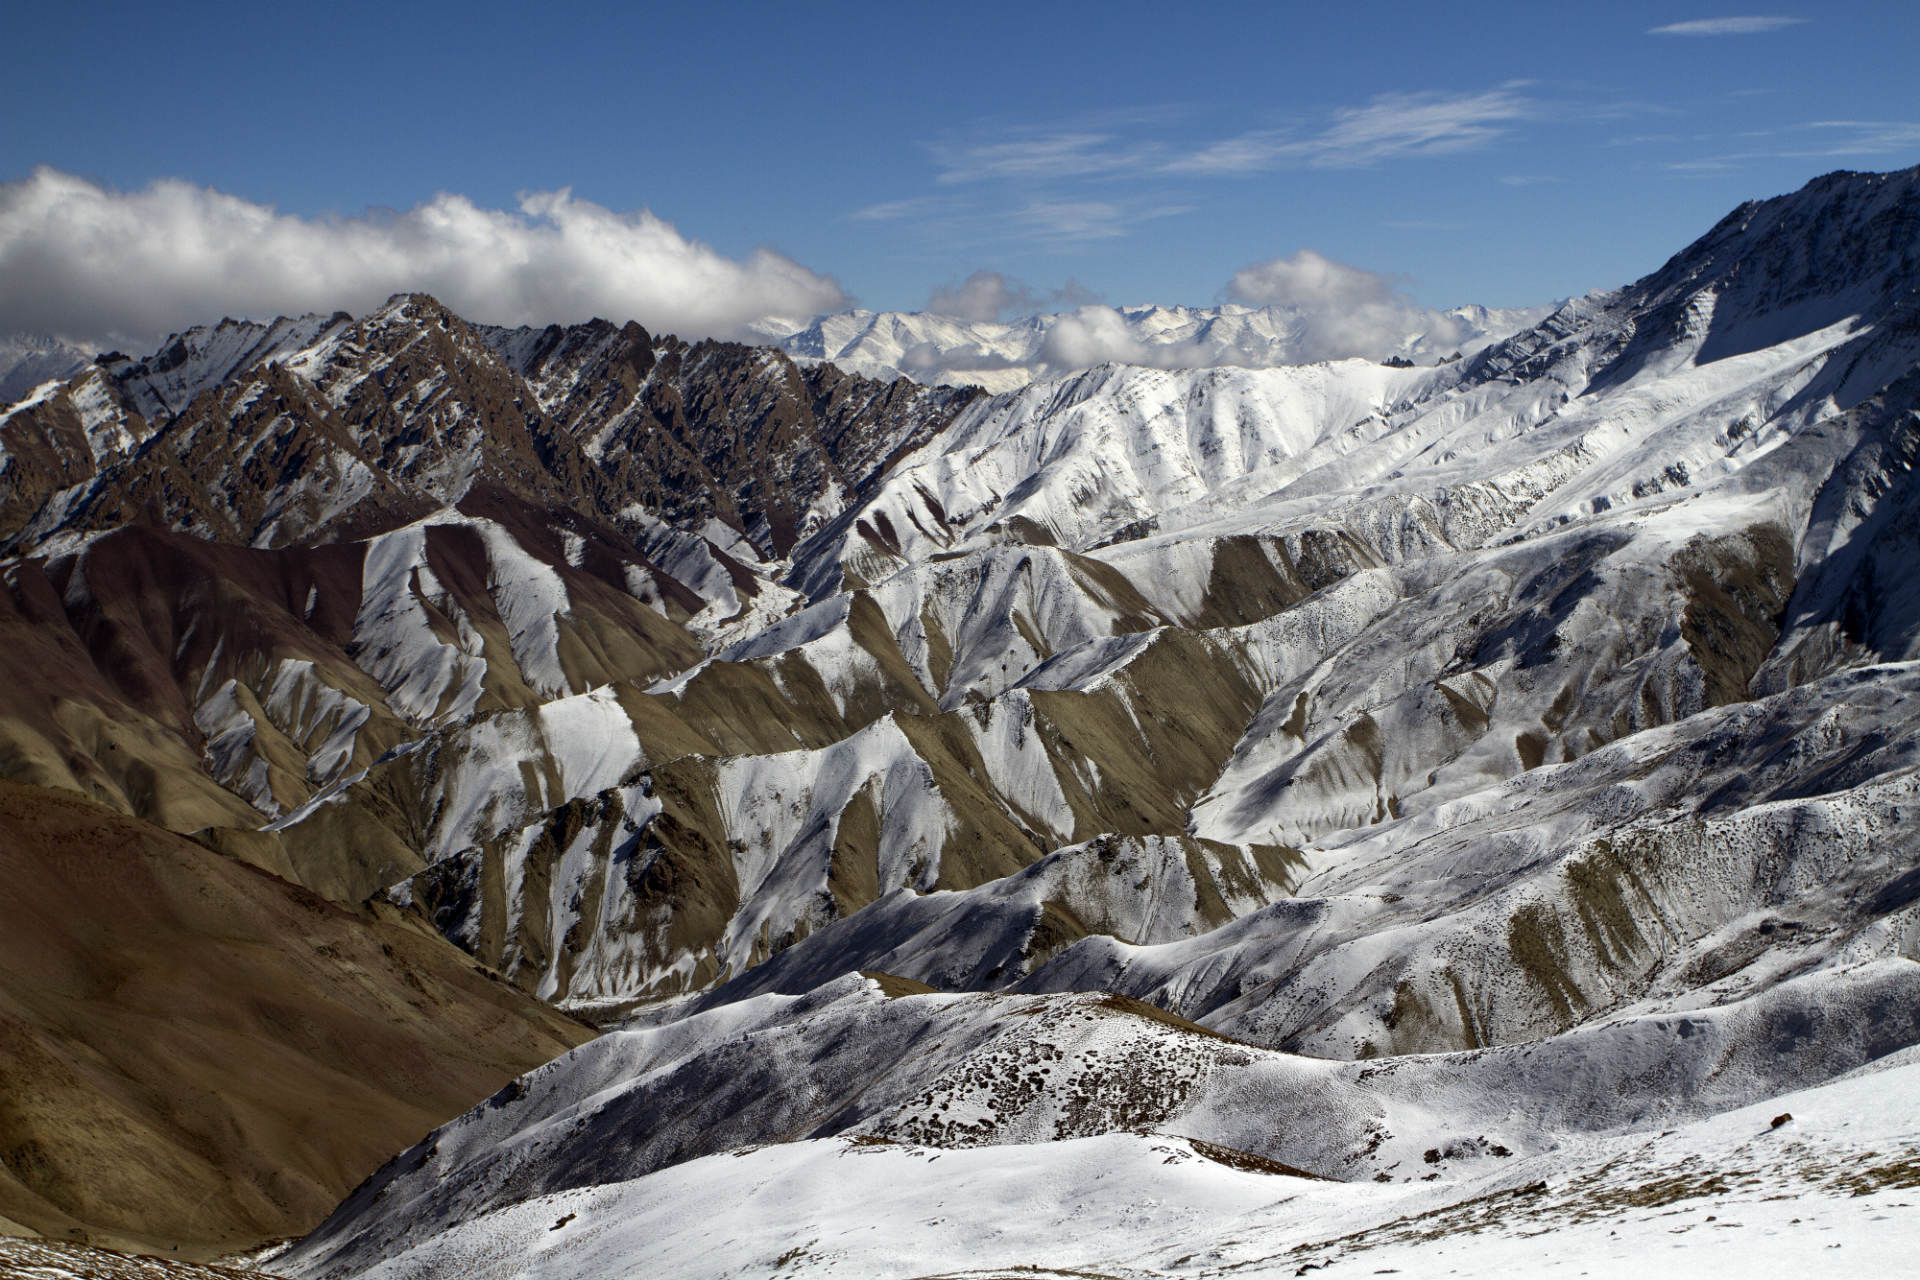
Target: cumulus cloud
[1343,310]
[93,264]
[1309,280]
[1095,335]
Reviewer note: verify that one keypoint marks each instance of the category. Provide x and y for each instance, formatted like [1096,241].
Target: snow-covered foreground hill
[1333,764]
[1784,1184]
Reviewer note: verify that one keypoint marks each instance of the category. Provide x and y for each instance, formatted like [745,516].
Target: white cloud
[1096,335]
[89,263]
[1745,25]
[989,295]
[1710,164]
[1343,310]
[1409,124]
[1072,219]
[984,295]
[1815,140]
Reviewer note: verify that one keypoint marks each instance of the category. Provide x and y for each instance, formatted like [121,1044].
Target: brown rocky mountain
[315,430]
[719,430]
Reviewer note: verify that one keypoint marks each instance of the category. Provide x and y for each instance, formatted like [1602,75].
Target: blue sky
[1506,154]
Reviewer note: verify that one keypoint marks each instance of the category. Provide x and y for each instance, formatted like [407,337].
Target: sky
[697,166]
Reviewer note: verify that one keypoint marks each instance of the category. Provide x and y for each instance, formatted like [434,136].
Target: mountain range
[1002,355]
[1206,815]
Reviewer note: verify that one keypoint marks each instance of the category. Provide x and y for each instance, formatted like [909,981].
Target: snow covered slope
[1068,1135]
[1828,1193]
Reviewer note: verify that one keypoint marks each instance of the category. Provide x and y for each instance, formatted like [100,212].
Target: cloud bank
[96,265]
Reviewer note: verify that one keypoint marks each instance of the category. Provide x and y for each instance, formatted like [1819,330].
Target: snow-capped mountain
[1437,779]
[1002,355]
[29,360]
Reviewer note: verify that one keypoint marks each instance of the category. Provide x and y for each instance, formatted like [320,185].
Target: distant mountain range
[1005,355]
[995,355]
[30,360]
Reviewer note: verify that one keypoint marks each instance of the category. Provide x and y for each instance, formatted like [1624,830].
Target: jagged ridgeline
[1556,696]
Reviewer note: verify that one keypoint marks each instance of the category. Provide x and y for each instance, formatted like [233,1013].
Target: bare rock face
[722,431]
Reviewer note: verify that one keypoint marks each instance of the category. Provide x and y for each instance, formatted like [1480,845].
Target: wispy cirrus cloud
[1862,137]
[1711,165]
[1042,155]
[1396,126]
[1810,140]
[1740,25]
[1033,215]
[1392,126]
[1389,126]
[895,210]
[1066,221]
[1096,178]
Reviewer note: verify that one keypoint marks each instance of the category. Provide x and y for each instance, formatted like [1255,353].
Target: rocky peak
[1844,247]
[1846,244]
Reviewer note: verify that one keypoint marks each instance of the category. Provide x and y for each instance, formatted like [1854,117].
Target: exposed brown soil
[893,986]
[1247,1162]
[198,1055]
[1737,589]
[1154,1013]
